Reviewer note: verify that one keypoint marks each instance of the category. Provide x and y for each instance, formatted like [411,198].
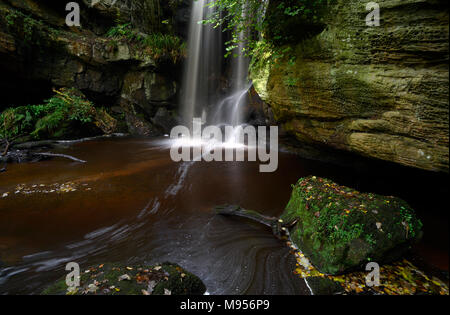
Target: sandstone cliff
[381,92]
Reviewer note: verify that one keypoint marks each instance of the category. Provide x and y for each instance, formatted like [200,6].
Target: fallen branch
[233,210]
[8,144]
[62,156]
[6,148]
[278,227]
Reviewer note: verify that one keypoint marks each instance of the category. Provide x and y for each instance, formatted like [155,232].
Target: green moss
[180,282]
[339,228]
[28,30]
[157,45]
[109,279]
[55,118]
[58,288]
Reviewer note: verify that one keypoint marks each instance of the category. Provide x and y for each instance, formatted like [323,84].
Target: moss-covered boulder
[340,229]
[112,279]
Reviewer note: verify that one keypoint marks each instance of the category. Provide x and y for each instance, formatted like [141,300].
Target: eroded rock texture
[381,91]
[38,53]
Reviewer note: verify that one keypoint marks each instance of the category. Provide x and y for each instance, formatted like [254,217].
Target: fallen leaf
[92,288]
[124,277]
[151,286]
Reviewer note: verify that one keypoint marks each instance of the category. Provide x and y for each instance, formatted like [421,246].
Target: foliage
[66,106]
[158,44]
[339,228]
[114,279]
[254,17]
[122,31]
[30,30]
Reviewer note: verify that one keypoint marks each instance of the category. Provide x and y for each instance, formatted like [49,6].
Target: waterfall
[200,96]
[233,109]
[203,66]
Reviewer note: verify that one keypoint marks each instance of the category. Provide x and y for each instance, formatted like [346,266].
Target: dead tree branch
[61,156]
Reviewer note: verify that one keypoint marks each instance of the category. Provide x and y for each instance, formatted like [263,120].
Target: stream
[131,204]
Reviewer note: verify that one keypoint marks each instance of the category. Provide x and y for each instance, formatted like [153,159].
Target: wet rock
[381,92]
[114,279]
[166,119]
[21,156]
[256,112]
[105,69]
[340,229]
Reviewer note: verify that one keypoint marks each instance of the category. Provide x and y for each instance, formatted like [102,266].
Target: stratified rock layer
[38,51]
[381,92]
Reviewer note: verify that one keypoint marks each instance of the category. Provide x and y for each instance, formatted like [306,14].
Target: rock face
[113,279]
[381,92]
[39,52]
[340,229]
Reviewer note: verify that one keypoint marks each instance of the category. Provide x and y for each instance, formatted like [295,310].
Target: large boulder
[114,279]
[38,52]
[340,229]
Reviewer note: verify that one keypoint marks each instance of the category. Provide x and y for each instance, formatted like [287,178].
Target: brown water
[132,204]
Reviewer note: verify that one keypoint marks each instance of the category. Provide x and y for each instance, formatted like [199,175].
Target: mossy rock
[66,115]
[340,229]
[113,279]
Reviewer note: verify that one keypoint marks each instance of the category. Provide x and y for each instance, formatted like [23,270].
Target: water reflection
[143,208]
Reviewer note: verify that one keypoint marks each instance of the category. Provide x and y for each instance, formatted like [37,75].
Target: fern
[67,105]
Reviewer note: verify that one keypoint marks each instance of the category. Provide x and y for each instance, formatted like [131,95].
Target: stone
[116,279]
[109,72]
[340,229]
[166,119]
[381,92]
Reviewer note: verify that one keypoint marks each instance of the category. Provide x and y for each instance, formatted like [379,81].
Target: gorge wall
[381,92]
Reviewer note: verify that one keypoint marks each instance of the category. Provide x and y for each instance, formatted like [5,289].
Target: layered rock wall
[38,52]
[381,92]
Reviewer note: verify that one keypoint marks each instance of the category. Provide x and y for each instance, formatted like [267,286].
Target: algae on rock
[340,229]
[114,279]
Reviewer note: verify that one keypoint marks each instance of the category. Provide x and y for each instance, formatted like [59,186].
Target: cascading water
[203,72]
[230,109]
[203,67]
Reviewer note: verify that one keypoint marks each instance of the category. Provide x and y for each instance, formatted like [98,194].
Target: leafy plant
[67,105]
[156,44]
[28,29]
[273,22]
[122,31]
[291,81]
